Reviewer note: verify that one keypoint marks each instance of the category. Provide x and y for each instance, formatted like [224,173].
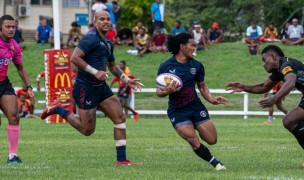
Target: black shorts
[125,95]
[6,87]
[193,114]
[301,104]
[89,97]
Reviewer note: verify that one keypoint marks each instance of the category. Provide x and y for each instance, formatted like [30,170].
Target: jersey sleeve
[200,76]
[87,43]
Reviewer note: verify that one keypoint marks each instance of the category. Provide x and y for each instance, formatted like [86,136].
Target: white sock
[11,155]
[270,118]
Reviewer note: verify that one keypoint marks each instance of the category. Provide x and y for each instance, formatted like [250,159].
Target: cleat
[220,167]
[267,122]
[15,160]
[136,116]
[50,109]
[127,163]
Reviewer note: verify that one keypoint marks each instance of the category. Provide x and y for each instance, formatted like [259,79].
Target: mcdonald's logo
[63,78]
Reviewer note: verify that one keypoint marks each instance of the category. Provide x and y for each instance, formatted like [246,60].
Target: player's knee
[14,119]
[287,122]
[88,132]
[193,141]
[211,141]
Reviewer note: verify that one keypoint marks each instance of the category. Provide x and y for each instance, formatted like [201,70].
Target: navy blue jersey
[98,52]
[289,65]
[190,73]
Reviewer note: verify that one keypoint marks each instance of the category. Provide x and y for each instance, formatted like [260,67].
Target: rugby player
[186,111]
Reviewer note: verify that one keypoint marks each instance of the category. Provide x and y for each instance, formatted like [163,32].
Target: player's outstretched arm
[204,90]
[254,88]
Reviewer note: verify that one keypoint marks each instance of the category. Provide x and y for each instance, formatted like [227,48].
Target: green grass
[249,149]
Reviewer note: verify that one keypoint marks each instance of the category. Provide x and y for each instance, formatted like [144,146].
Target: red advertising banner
[58,80]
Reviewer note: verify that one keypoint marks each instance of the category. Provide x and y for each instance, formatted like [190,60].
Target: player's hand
[235,87]
[218,100]
[172,87]
[135,84]
[267,102]
[101,75]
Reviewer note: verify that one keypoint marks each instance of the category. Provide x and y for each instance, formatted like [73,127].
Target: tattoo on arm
[115,70]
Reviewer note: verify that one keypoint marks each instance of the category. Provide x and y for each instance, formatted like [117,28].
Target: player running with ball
[91,56]
[282,69]
[186,111]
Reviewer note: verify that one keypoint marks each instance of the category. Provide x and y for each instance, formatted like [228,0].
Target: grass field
[249,149]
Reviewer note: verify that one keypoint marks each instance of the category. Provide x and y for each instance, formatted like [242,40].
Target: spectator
[74,35]
[23,107]
[111,34]
[116,10]
[254,32]
[142,42]
[99,5]
[177,28]
[271,33]
[43,32]
[158,42]
[38,78]
[253,47]
[294,32]
[138,26]
[24,90]
[283,32]
[125,92]
[110,10]
[90,27]
[198,35]
[124,37]
[157,13]
[18,35]
[214,34]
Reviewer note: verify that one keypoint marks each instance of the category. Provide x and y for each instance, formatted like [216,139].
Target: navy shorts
[193,114]
[6,87]
[89,97]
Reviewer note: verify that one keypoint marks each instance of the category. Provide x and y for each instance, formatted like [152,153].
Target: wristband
[91,70]
[124,78]
[29,86]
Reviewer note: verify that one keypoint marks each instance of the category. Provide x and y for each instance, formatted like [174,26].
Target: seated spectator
[214,34]
[283,32]
[124,37]
[177,28]
[74,35]
[253,47]
[23,90]
[135,30]
[294,32]
[142,42]
[23,107]
[254,32]
[18,35]
[158,42]
[199,38]
[271,33]
[111,34]
[43,32]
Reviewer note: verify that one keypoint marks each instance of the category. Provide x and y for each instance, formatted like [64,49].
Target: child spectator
[23,107]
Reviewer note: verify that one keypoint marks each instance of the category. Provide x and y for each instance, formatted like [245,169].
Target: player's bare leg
[187,132]
[8,104]
[113,109]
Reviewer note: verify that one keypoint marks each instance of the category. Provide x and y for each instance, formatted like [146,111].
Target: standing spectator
[124,37]
[294,32]
[10,52]
[74,35]
[157,13]
[110,10]
[214,34]
[124,91]
[142,42]
[116,10]
[177,28]
[199,39]
[158,42]
[99,5]
[43,32]
[254,32]
[283,32]
[271,33]
[18,36]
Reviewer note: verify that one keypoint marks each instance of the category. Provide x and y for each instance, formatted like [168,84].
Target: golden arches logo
[63,78]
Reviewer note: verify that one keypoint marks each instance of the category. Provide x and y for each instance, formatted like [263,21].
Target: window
[70,3]
[13,2]
[41,2]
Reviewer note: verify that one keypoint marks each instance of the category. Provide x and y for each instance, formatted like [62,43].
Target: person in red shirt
[23,107]
[31,101]
[158,42]
[111,34]
[125,92]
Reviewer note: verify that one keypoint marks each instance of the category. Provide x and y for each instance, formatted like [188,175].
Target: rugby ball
[165,79]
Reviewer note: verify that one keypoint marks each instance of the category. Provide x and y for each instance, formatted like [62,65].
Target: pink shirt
[9,51]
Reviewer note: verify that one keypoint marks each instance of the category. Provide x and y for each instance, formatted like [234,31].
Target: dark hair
[5,17]
[124,62]
[275,49]
[174,42]
[178,22]
[104,1]
[114,2]
[74,24]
